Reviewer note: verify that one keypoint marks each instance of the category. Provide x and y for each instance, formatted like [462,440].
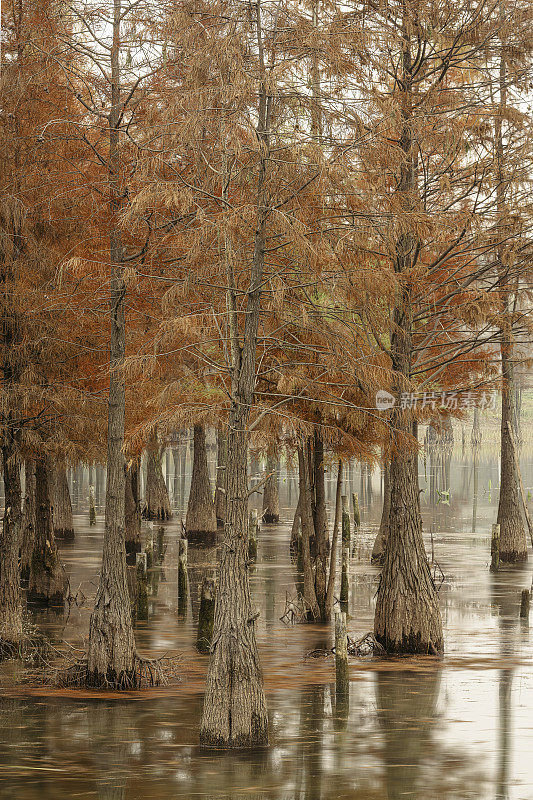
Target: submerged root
[297,609]
[34,648]
[365,647]
[71,672]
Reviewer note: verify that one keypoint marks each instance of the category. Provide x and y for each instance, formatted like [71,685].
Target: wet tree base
[133,546]
[413,644]
[202,538]
[10,650]
[256,739]
[157,514]
[270,519]
[64,533]
[146,673]
[54,601]
[512,556]
[33,648]
[378,560]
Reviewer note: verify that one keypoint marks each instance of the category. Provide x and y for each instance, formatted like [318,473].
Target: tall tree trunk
[111,655]
[271,490]
[378,551]
[132,510]
[48,582]
[61,503]
[157,503]
[513,542]
[320,523]
[234,708]
[200,521]
[235,713]
[306,519]
[334,540]
[407,616]
[28,521]
[10,600]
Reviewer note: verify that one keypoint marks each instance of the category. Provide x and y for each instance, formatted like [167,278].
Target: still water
[461,727]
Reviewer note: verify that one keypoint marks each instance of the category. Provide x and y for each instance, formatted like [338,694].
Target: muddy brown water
[459,728]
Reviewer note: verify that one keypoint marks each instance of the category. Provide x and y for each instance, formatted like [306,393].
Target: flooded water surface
[459,727]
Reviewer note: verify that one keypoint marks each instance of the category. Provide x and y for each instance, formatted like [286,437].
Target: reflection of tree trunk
[406,704]
[311,725]
[475,469]
[506,589]
[504,734]
[110,733]
[200,522]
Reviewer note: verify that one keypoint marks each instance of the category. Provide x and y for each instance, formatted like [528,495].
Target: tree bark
[48,582]
[306,519]
[271,491]
[235,713]
[513,540]
[111,655]
[200,521]
[234,708]
[61,503]
[220,496]
[10,600]
[320,523]
[157,503]
[132,511]
[378,551]
[334,540]
[28,521]
[407,616]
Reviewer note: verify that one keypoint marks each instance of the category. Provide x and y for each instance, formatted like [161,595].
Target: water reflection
[457,730]
[406,705]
